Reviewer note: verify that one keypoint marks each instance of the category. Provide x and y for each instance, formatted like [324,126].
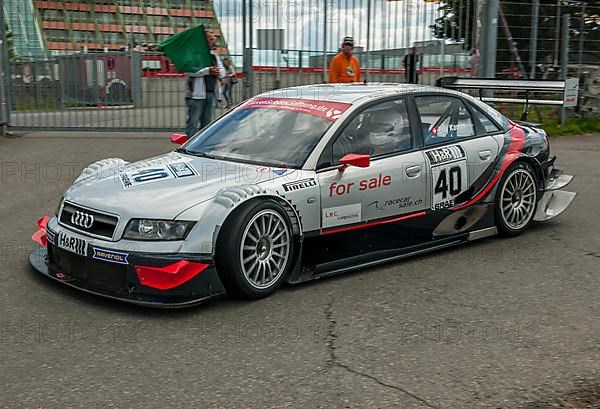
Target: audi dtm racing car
[298,184]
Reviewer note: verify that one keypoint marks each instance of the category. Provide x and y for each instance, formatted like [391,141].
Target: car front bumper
[122,280]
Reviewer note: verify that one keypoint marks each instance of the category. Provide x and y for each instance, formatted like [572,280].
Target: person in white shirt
[201,87]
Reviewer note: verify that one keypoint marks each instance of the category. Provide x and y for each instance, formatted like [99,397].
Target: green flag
[188,50]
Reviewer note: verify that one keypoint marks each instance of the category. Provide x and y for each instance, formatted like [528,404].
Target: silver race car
[298,184]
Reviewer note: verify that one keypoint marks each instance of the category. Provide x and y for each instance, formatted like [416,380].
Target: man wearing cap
[344,66]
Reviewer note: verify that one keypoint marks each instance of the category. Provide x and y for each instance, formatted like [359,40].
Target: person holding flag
[193,52]
[200,90]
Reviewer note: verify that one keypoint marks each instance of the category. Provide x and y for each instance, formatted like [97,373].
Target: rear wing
[527,92]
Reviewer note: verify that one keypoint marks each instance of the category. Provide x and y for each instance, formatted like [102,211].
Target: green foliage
[574,126]
[549,120]
[456,23]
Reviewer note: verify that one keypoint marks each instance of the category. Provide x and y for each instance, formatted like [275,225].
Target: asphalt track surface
[496,324]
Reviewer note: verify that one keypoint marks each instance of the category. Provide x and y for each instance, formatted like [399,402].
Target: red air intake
[171,276]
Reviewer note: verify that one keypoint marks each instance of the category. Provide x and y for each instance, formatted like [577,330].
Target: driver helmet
[385,128]
[381,136]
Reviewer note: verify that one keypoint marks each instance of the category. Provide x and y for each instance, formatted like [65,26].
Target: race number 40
[449,181]
[449,175]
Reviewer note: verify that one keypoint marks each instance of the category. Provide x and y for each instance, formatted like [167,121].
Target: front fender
[211,215]
[100,169]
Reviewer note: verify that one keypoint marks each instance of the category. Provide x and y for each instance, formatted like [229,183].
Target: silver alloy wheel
[265,248]
[518,199]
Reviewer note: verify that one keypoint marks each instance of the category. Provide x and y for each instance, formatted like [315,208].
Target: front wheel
[516,200]
[255,250]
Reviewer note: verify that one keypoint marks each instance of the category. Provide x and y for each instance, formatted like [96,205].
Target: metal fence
[285,44]
[551,40]
[261,32]
[117,91]
[273,44]
[82,91]
[531,34]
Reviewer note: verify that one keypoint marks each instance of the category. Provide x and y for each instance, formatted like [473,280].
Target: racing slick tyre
[516,200]
[255,249]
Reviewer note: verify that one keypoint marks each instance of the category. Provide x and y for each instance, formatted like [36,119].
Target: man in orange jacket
[344,66]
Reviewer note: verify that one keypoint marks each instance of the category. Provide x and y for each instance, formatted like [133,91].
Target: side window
[487,124]
[379,130]
[444,119]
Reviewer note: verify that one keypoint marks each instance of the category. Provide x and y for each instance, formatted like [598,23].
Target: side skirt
[380,257]
[376,257]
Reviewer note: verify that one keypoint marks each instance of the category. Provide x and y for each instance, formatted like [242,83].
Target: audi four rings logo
[82,219]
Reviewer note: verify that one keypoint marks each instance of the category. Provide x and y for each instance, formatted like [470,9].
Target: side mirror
[355,159]
[179,138]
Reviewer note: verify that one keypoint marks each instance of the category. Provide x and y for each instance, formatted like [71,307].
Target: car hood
[164,186]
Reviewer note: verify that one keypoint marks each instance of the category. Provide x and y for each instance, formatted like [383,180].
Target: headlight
[146,229]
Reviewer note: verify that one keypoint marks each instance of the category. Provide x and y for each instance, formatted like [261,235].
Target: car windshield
[262,135]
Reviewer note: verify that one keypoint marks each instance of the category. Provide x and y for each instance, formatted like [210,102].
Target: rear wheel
[516,199]
[255,250]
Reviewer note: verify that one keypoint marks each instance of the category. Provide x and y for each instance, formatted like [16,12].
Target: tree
[458,24]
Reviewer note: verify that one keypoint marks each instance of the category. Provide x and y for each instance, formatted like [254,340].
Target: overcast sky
[393,23]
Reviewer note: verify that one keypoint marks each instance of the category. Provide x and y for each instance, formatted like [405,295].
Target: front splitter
[38,259]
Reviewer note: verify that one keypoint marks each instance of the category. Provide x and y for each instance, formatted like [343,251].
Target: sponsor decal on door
[339,215]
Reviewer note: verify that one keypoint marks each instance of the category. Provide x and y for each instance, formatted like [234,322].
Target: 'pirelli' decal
[445,155]
[300,184]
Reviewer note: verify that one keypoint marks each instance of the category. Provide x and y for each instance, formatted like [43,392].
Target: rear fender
[522,144]
[512,150]
[513,158]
